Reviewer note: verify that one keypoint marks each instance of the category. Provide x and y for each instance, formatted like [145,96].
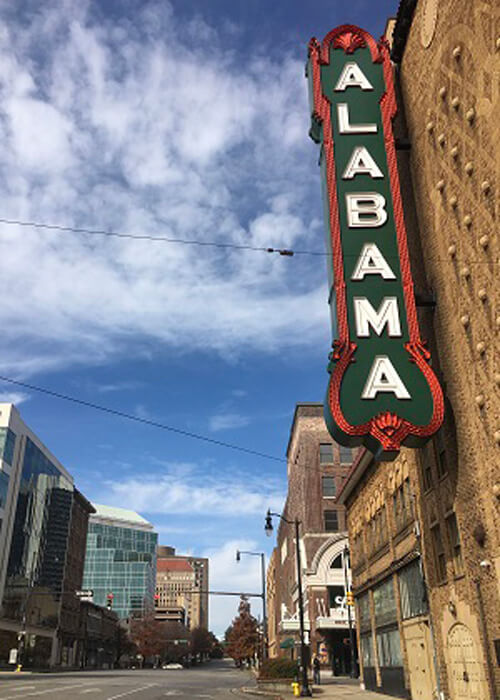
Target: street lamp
[268,527]
[263,575]
[348,606]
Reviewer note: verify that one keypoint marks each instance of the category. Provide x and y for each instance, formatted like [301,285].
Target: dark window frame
[326,456]
[328,479]
[334,515]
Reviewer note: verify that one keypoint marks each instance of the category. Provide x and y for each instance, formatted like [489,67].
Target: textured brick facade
[316,470]
[449,83]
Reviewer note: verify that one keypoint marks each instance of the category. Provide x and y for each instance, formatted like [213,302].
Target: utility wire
[285,252]
[148,237]
[137,419]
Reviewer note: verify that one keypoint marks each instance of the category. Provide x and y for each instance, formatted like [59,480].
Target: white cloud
[128,124]
[228,421]
[182,492]
[15,397]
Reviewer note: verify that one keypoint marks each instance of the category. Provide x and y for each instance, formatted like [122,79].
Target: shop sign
[382,391]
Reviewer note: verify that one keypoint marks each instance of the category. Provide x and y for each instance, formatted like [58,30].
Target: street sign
[84,594]
[13,656]
[382,391]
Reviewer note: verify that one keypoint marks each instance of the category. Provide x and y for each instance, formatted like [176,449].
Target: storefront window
[367,655]
[412,592]
[389,648]
[384,603]
[364,612]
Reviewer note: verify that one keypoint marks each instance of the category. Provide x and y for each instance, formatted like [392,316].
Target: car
[172,667]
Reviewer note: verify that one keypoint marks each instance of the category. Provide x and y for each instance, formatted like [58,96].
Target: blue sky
[185,119]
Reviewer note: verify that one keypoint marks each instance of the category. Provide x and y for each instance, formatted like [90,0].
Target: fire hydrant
[296,689]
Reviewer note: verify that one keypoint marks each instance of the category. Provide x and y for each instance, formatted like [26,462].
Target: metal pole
[264,611]
[306,691]
[349,616]
[484,634]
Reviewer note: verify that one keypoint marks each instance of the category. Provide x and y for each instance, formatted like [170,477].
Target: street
[214,680]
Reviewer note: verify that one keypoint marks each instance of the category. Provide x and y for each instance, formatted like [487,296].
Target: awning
[288,643]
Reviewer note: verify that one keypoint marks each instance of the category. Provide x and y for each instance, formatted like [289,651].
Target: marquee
[382,391]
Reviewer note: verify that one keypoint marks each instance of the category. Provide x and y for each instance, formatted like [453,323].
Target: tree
[148,635]
[177,640]
[243,635]
[125,647]
[201,641]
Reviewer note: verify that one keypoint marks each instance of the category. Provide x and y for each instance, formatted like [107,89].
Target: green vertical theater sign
[382,391]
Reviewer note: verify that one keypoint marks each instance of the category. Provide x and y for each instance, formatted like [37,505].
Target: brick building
[177,593]
[425,529]
[200,567]
[316,469]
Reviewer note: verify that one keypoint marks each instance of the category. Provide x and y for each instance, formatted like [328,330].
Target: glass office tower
[120,561]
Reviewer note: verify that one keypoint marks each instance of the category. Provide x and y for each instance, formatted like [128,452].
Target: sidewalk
[341,689]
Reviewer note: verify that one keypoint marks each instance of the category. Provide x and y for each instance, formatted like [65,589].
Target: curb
[256,692]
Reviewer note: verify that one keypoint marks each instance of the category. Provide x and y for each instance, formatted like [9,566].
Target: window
[328,486]
[331,521]
[7,445]
[384,603]
[402,505]
[439,556]
[441,460]
[427,460]
[389,649]
[378,535]
[345,455]
[367,654]
[456,547]
[412,592]
[4,487]
[337,563]
[364,612]
[326,453]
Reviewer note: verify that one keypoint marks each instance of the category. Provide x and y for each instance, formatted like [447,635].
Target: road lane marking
[23,687]
[90,690]
[129,692]
[44,692]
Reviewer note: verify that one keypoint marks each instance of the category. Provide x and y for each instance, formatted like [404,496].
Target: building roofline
[316,404]
[84,501]
[121,517]
[358,469]
[404,19]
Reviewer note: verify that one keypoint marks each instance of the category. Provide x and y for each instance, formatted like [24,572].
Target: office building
[316,469]
[42,537]
[200,567]
[177,592]
[120,561]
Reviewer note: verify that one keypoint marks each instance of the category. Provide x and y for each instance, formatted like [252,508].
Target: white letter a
[383,377]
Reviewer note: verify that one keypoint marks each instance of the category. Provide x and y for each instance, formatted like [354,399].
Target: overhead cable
[137,419]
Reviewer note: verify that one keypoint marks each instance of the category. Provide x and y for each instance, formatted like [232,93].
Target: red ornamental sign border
[389,429]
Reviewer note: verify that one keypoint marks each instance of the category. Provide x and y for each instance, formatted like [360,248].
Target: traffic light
[349,598]
[157,600]
[109,599]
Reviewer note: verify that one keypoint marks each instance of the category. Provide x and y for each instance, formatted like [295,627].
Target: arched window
[337,563]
